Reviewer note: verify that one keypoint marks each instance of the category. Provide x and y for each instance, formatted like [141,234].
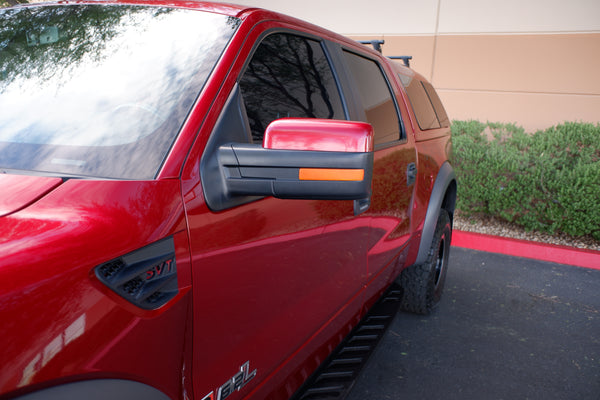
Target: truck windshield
[101,90]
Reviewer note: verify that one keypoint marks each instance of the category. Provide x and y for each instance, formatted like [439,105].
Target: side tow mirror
[303,159]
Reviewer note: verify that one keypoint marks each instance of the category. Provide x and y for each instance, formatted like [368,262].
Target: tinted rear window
[101,90]
[425,102]
[421,105]
[376,98]
[440,111]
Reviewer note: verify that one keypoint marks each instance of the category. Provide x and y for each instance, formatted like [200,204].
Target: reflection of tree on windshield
[40,44]
[8,3]
[288,77]
[101,90]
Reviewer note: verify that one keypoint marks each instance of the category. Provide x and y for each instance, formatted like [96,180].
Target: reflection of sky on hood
[94,101]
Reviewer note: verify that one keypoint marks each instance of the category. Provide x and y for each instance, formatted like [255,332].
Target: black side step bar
[336,376]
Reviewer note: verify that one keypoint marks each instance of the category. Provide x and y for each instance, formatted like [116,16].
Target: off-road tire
[423,284]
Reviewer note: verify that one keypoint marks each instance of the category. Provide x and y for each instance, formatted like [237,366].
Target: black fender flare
[443,196]
[98,389]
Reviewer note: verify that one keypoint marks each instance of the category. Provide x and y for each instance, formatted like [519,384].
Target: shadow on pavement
[506,328]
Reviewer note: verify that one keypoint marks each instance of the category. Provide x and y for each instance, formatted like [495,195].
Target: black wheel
[423,284]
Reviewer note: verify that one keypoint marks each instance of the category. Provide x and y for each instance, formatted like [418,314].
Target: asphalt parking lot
[507,328]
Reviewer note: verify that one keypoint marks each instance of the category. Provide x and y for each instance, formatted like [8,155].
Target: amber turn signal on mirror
[331,174]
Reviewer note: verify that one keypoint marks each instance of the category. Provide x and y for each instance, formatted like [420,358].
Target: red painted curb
[523,248]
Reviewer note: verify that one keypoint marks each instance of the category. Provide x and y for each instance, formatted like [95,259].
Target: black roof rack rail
[375,43]
[405,59]
[377,47]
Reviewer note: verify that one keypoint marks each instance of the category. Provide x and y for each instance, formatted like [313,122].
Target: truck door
[268,274]
[394,170]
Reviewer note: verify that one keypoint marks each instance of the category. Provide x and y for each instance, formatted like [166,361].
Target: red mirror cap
[319,135]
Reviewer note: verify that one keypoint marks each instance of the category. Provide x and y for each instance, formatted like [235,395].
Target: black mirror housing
[299,159]
[252,170]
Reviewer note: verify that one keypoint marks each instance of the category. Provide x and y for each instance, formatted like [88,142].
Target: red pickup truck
[201,200]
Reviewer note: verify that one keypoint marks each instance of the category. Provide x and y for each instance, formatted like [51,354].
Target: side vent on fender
[146,277]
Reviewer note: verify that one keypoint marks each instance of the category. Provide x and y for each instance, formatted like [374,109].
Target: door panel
[380,105]
[269,274]
[266,277]
[390,213]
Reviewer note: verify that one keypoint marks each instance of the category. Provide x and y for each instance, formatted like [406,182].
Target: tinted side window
[376,98]
[289,76]
[419,100]
[437,104]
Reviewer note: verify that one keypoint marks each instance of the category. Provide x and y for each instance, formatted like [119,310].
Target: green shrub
[548,181]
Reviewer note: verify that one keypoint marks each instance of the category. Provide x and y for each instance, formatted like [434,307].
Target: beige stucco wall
[531,62]
[535,80]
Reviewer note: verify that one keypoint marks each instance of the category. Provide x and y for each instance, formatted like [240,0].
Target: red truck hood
[19,191]
[45,221]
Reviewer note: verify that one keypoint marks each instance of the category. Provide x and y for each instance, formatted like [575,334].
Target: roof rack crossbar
[405,59]
[377,47]
[375,43]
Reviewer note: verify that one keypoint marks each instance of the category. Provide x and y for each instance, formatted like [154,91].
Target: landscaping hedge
[547,181]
